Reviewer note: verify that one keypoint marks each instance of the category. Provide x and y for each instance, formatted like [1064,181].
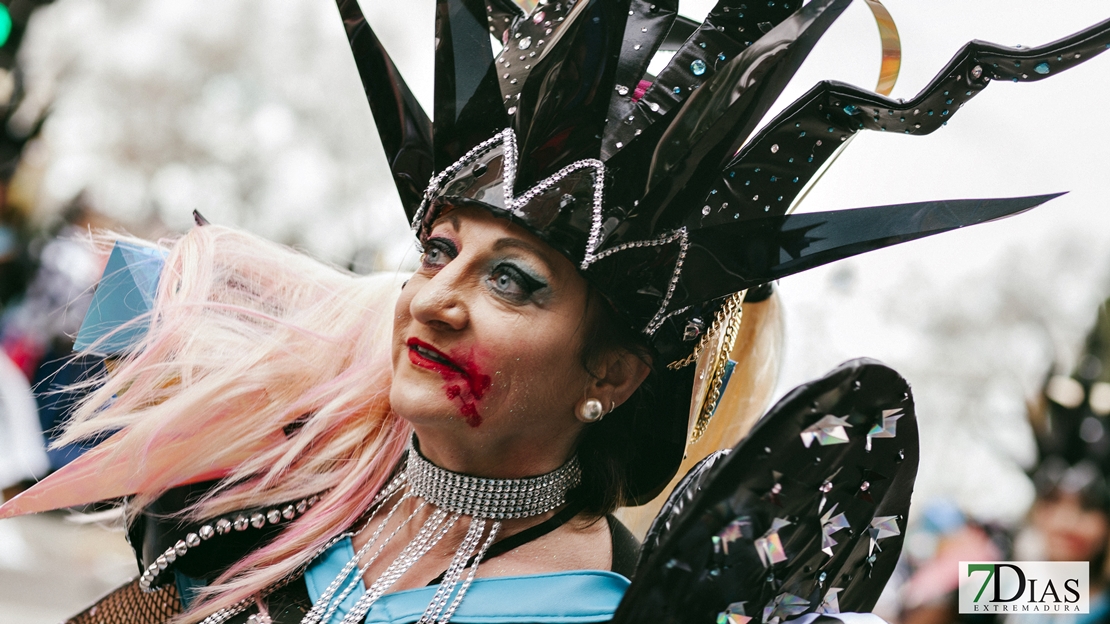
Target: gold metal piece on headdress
[892,47]
[722,334]
[731,305]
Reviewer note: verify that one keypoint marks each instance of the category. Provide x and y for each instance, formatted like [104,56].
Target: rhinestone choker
[495,499]
[451,496]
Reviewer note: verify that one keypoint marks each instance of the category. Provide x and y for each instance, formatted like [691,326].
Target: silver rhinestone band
[495,499]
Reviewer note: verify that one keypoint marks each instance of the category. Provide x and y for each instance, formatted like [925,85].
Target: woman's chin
[428,409]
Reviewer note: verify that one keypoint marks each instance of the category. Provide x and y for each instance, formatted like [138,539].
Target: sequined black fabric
[130,605]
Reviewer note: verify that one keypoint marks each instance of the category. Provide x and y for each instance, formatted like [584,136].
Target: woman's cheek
[468,388]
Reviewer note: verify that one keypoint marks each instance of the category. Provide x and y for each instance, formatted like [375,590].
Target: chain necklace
[451,496]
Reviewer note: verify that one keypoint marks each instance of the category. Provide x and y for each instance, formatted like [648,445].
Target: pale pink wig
[272,365]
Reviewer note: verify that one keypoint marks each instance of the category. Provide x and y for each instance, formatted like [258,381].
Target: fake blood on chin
[454,368]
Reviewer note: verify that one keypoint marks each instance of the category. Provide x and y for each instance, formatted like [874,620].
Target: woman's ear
[621,372]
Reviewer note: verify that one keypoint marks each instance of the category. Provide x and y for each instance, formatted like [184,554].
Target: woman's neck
[514,457]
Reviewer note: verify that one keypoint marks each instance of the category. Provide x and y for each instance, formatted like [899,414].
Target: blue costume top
[539,598]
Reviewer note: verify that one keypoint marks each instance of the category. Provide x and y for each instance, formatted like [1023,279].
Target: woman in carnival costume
[1070,518]
[303,445]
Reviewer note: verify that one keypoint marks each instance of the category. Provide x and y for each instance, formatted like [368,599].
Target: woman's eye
[506,283]
[438,252]
[513,283]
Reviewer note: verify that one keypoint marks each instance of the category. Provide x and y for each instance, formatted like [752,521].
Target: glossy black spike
[528,42]
[468,103]
[772,169]
[727,31]
[750,253]
[561,117]
[719,117]
[734,256]
[403,126]
[649,23]
[502,15]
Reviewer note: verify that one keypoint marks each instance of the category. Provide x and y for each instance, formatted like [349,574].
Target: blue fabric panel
[324,570]
[577,597]
[125,293]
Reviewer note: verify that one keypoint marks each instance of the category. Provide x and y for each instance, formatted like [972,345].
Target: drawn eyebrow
[454,219]
[516,243]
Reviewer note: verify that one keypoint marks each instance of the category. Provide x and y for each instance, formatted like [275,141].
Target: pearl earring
[591,411]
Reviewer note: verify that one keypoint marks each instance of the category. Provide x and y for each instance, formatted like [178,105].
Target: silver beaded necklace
[452,496]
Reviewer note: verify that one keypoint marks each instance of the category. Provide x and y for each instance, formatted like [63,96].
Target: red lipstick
[426,356]
[451,368]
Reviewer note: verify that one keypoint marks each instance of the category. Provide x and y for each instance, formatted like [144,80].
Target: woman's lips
[426,356]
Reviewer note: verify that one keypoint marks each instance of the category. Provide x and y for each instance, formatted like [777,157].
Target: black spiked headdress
[1073,437]
[656,186]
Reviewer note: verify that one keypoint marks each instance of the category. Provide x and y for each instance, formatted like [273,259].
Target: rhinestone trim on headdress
[683,238]
[495,499]
[506,137]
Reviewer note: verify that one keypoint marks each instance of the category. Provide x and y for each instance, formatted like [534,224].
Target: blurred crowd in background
[128,115]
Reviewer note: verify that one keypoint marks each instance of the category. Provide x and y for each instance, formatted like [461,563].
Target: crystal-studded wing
[793,554]
[684,494]
[403,126]
[772,170]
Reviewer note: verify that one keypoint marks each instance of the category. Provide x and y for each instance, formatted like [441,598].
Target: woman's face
[1071,532]
[487,347]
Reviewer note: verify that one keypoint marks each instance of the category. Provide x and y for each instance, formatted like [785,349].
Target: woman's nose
[439,302]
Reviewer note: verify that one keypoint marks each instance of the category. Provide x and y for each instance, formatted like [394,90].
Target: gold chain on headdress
[727,320]
[732,304]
